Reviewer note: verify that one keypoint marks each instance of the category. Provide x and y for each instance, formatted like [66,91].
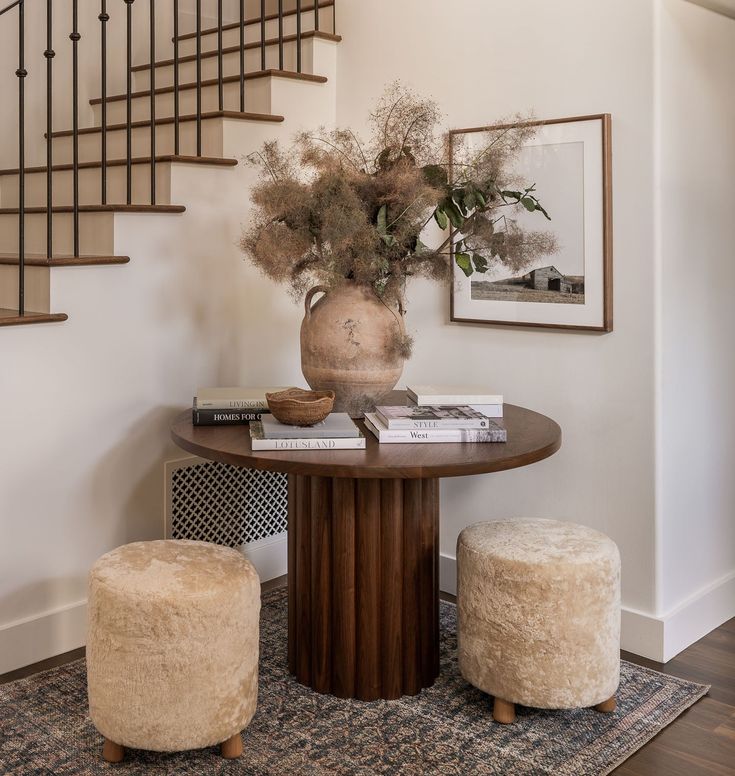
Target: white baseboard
[45,635]
[657,638]
[269,556]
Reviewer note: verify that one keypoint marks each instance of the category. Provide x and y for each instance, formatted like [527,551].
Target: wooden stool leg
[504,712]
[607,706]
[232,748]
[112,752]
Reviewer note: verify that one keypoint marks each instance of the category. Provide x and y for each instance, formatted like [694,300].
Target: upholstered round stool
[539,614]
[172,647]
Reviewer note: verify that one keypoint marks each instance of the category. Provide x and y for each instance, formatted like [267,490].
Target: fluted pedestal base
[363,585]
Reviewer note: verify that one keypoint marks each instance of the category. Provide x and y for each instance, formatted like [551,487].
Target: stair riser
[90,144]
[231,37]
[90,188]
[230,66]
[96,233]
[256,101]
[36,283]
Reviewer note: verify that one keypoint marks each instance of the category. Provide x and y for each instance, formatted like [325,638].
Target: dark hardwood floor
[701,742]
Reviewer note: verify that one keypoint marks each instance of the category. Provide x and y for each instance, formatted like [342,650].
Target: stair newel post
[153,97]
[262,34]
[220,85]
[49,53]
[242,56]
[104,18]
[199,76]
[176,78]
[298,36]
[21,72]
[75,38]
[280,34]
[128,100]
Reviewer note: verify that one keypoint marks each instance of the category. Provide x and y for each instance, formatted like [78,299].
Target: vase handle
[309,296]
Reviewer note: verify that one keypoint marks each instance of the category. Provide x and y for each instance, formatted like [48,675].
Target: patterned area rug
[447,729]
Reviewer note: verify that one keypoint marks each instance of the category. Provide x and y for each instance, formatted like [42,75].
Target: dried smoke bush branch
[333,207]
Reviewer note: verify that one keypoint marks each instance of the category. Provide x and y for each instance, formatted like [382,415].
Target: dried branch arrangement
[334,207]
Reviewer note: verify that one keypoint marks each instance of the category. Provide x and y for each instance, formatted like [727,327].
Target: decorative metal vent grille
[224,504]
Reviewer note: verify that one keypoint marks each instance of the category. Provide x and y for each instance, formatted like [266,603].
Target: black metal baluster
[176,78]
[316,15]
[75,38]
[199,77]
[280,34]
[242,56]
[220,86]
[334,17]
[49,54]
[153,98]
[262,34]
[298,36]
[128,100]
[21,72]
[104,18]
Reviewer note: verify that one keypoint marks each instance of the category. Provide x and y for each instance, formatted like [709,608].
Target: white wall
[484,61]
[697,278]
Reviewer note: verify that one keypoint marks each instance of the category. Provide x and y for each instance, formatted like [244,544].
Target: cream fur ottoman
[539,614]
[172,647]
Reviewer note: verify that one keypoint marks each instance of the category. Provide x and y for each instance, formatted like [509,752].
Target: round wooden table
[363,546]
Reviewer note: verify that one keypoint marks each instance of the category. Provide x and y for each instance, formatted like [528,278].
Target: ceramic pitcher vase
[350,345]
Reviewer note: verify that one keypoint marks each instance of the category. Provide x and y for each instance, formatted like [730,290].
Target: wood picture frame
[579,152]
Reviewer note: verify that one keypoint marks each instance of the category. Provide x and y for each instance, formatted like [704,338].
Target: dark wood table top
[531,437]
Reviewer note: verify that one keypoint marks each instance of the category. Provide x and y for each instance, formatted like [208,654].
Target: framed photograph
[569,161]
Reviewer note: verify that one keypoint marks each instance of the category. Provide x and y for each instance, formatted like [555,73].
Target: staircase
[188,107]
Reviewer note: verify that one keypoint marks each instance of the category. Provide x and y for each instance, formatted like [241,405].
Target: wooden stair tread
[234,49]
[256,20]
[38,260]
[11,317]
[214,114]
[214,81]
[4,211]
[205,160]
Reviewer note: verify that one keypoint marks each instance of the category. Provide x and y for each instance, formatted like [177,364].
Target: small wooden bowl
[297,407]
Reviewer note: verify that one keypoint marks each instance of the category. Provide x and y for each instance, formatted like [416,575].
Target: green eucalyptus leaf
[470,200]
[464,262]
[480,262]
[383,220]
[507,194]
[441,218]
[528,203]
[454,213]
[542,210]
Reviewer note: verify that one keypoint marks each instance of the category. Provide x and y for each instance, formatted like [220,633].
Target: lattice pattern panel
[228,505]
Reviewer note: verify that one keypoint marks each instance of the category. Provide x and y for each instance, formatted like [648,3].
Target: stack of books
[440,414]
[336,432]
[229,406]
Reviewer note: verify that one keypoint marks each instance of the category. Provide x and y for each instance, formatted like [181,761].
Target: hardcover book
[452,395]
[424,417]
[337,425]
[494,433]
[211,417]
[259,442]
[233,398]
[488,410]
